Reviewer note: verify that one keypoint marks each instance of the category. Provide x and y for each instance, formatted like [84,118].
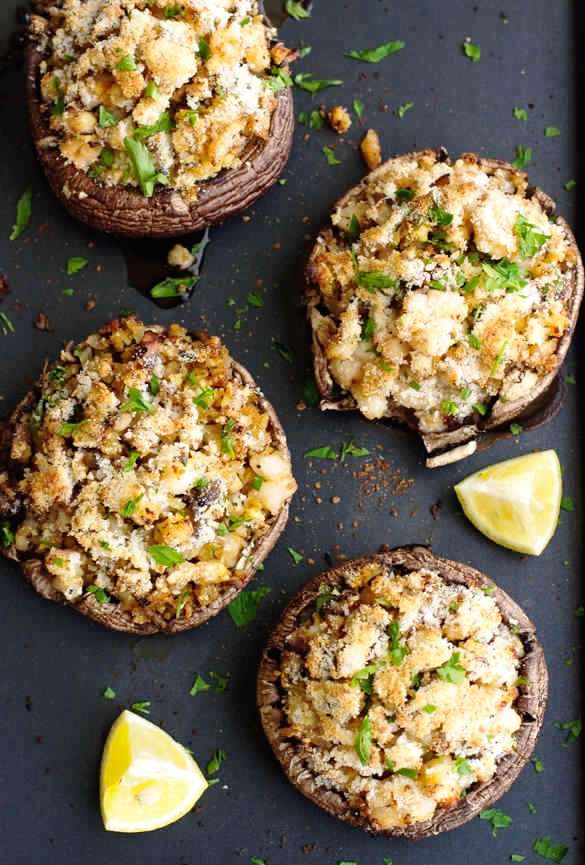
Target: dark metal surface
[54,664]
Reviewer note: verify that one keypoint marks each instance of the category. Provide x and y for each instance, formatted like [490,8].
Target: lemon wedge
[515,503]
[147,779]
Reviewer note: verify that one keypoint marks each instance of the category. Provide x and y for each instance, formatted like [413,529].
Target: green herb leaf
[402,109]
[255,860]
[523,156]
[164,555]
[244,607]
[429,708]
[567,504]
[99,594]
[214,765]
[573,729]
[496,818]
[283,350]
[368,330]
[143,167]
[520,114]
[257,482]
[106,119]
[143,707]
[177,286]
[363,741]
[517,857]
[397,649]
[199,685]
[439,216]
[538,765]
[312,119]
[404,194]
[296,10]
[363,678]
[204,50]
[449,407]
[295,556]
[154,385]
[75,264]
[254,298]
[330,155]
[219,683]
[6,534]
[181,603]
[151,90]
[349,449]
[67,428]
[165,123]
[569,184]
[109,693]
[204,398]
[375,55]
[551,131]
[546,848]
[462,766]
[136,402]
[516,429]
[279,79]
[530,238]
[322,453]
[408,773]
[472,51]
[451,670]
[358,107]
[126,64]
[305,81]
[130,506]
[227,442]
[374,280]
[23,214]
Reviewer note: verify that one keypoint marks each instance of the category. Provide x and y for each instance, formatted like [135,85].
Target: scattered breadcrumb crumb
[371,149]
[339,119]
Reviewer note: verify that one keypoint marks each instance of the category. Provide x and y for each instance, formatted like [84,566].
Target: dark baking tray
[54,664]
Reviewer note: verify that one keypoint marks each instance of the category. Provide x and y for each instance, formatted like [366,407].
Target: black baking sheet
[54,664]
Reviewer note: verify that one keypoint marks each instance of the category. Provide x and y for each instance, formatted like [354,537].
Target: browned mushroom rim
[144,479]
[402,692]
[443,296]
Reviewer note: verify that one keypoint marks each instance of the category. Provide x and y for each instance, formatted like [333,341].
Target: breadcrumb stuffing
[339,119]
[441,288]
[189,82]
[146,466]
[427,667]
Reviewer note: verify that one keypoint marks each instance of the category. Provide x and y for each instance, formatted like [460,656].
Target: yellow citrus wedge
[515,503]
[147,779]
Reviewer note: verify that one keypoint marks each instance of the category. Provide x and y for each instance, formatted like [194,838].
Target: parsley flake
[244,607]
[375,55]
[23,214]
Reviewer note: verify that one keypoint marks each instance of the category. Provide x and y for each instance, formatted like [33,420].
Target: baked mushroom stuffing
[145,473]
[151,93]
[441,289]
[391,692]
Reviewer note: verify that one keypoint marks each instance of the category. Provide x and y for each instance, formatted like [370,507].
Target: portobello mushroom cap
[123,210]
[477,431]
[113,614]
[293,752]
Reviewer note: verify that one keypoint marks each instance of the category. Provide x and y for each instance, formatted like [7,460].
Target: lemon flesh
[147,779]
[515,503]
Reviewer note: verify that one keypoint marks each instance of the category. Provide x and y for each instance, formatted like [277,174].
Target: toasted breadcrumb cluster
[401,688]
[187,84]
[146,471]
[440,288]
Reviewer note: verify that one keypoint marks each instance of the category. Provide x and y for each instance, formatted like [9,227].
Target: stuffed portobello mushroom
[153,118]
[143,479]
[402,692]
[444,297]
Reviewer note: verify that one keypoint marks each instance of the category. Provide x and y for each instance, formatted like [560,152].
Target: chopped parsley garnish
[451,670]
[530,239]
[323,598]
[279,79]
[173,286]
[523,156]
[330,156]
[375,55]
[126,64]
[415,385]
[440,217]
[219,683]
[572,728]
[199,685]
[75,264]
[6,534]
[254,298]
[227,442]
[374,280]
[567,504]
[312,119]
[404,194]
[99,594]
[408,773]
[295,556]
[165,555]
[363,741]
[472,50]
[283,350]
[151,90]
[520,114]
[164,123]
[473,341]
[449,407]
[503,275]
[462,766]
[130,506]
[215,763]
[326,452]
[517,857]
[402,109]
[105,118]
[358,106]
[354,229]
[296,10]
[516,429]
[551,131]
[143,168]
[68,428]
[136,402]
[244,607]
[257,482]
[204,398]
[349,449]
[569,184]
[363,678]
[181,603]
[305,81]
[499,358]
[142,707]
[538,765]
[204,50]
[546,848]
[23,214]
[368,330]
[154,385]
[109,693]
[496,818]
[429,708]
[397,650]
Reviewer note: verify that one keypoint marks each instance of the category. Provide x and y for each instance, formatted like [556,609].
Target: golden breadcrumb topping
[441,288]
[148,92]
[146,470]
[401,688]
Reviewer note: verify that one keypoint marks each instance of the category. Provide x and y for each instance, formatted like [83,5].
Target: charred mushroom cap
[537,407]
[109,614]
[291,753]
[126,212]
